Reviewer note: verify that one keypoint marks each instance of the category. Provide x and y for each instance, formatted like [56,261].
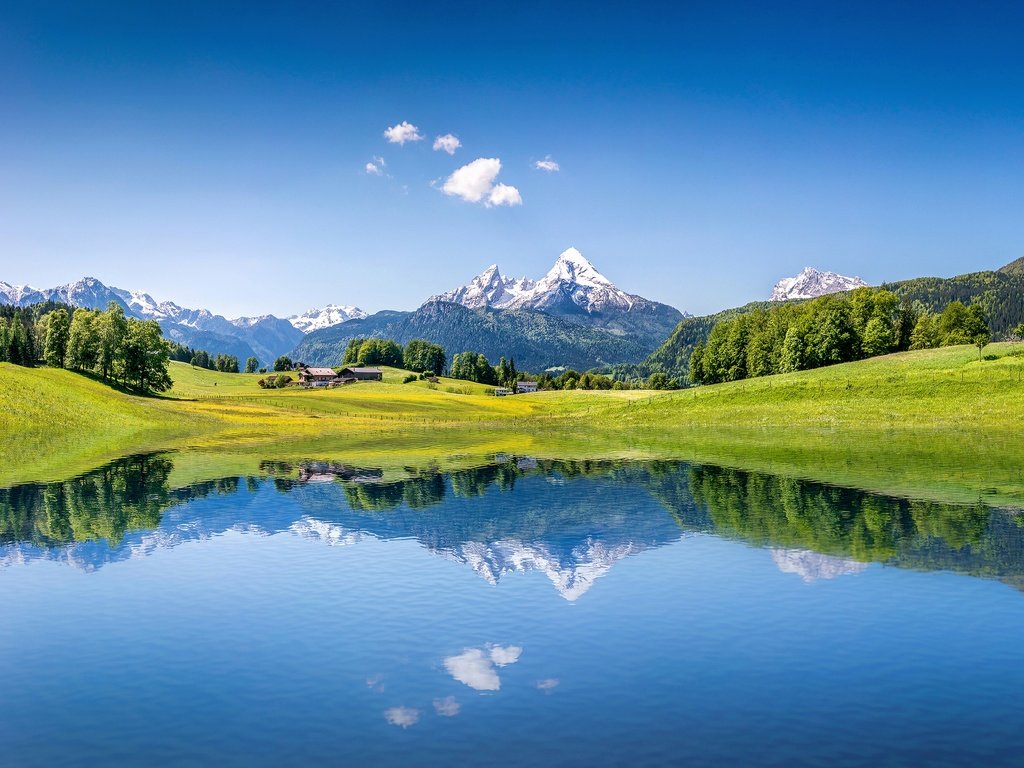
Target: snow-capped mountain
[332,314]
[265,337]
[488,289]
[811,283]
[573,285]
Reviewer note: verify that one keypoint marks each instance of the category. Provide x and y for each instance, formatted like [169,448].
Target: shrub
[410,377]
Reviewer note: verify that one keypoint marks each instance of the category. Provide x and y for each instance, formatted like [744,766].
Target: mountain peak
[811,283]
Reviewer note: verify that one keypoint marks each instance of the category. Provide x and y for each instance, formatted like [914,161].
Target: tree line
[200,358]
[828,330]
[418,355]
[119,349]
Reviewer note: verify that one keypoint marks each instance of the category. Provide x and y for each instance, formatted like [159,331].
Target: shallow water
[520,612]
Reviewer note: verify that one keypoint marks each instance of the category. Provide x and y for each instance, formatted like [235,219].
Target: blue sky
[215,153]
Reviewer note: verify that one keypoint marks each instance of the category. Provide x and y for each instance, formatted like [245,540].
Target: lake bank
[936,424]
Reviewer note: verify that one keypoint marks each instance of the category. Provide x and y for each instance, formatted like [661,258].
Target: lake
[518,612]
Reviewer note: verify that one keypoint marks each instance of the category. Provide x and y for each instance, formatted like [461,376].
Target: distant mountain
[573,316]
[535,339]
[572,286]
[265,337]
[811,283]
[332,314]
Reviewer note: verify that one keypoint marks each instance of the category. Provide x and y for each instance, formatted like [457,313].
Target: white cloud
[473,181]
[548,684]
[447,143]
[504,656]
[547,164]
[503,194]
[376,167]
[403,717]
[447,707]
[472,667]
[403,132]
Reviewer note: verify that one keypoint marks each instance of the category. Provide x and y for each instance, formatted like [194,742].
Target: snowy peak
[332,314]
[572,286]
[572,267]
[811,283]
[488,289]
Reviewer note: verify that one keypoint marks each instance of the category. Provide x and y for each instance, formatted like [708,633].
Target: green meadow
[939,424]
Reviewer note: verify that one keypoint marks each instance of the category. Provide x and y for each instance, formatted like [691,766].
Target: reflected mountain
[572,521]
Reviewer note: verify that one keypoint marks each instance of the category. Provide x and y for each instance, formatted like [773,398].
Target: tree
[878,339]
[146,357]
[422,356]
[58,330]
[1018,332]
[380,352]
[283,363]
[351,356]
[111,330]
[83,342]
[251,364]
[926,332]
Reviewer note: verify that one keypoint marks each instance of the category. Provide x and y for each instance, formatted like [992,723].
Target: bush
[410,377]
[282,381]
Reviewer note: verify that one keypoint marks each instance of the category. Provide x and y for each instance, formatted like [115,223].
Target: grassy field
[938,423]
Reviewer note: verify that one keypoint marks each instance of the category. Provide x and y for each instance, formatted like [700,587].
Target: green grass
[934,424]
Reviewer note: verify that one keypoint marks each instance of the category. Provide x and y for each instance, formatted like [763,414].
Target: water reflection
[572,521]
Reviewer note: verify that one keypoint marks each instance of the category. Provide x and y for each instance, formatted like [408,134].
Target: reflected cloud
[547,685]
[447,707]
[475,667]
[812,566]
[403,717]
[503,656]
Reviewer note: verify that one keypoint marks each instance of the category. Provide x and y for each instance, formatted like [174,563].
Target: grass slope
[933,424]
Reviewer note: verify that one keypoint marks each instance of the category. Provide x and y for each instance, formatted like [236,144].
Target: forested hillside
[1000,294]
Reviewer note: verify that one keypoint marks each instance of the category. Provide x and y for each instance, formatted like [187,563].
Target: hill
[1000,293]
[535,339]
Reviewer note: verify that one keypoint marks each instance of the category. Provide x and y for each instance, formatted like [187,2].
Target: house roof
[319,371]
[364,370]
[534,383]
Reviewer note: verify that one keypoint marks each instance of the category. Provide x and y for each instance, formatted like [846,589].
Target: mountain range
[573,317]
[264,337]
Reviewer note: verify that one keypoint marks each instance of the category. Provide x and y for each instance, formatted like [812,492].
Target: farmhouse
[363,374]
[526,386]
[317,377]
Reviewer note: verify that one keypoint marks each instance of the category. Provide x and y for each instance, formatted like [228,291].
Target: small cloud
[547,684]
[376,166]
[447,143]
[375,683]
[503,194]
[547,164]
[447,707]
[403,717]
[403,132]
[503,656]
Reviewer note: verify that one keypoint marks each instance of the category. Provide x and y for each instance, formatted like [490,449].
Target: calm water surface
[522,612]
